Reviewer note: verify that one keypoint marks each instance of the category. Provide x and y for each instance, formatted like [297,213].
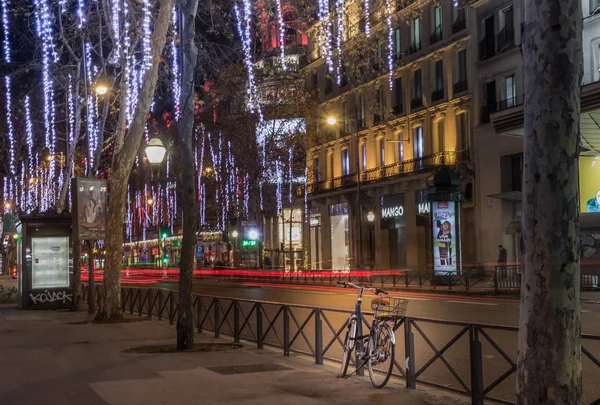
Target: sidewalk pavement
[46,359]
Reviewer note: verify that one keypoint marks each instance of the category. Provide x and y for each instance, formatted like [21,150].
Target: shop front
[393,231]
[340,236]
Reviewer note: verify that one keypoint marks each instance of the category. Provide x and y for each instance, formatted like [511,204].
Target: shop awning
[508,196]
[514,227]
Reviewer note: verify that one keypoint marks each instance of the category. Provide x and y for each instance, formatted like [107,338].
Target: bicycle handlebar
[346,284]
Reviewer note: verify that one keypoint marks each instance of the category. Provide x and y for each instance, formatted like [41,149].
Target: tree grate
[248,368]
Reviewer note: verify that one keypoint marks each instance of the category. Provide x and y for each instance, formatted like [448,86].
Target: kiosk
[45,261]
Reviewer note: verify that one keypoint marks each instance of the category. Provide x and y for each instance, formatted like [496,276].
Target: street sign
[199,251]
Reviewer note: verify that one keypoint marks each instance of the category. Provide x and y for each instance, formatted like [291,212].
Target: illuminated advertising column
[446,236]
[445,222]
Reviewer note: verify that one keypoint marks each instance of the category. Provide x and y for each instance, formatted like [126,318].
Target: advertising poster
[443,214]
[50,262]
[90,208]
[589,183]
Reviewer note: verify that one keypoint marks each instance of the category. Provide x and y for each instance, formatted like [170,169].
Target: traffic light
[165,232]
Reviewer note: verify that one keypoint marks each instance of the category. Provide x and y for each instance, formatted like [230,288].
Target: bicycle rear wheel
[348,346]
[381,355]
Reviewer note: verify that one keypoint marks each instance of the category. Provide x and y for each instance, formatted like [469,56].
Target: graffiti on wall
[50,297]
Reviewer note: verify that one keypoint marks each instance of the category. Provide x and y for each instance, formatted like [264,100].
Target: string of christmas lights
[245,34]
[146,32]
[326,25]
[390,44]
[367,19]
[281,34]
[115,8]
[29,140]
[290,173]
[175,67]
[9,123]
[81,12]
[340,6]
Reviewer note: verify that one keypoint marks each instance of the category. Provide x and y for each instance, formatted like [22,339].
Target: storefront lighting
[234,234]
[331,120]
[371,216]
[253,234]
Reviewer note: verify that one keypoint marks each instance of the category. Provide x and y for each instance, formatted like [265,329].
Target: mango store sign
[392,212]
[423,208]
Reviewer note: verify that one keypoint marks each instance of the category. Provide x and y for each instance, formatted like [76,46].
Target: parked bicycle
[376,350]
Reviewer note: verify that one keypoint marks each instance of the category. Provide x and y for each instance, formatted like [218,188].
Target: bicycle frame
[361,339]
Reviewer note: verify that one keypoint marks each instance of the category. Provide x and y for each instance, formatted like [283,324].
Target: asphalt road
[481,310]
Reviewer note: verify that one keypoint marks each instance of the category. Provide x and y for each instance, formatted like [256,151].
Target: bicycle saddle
[380,301]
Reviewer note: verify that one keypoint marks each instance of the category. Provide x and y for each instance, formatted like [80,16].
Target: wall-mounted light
[371,216]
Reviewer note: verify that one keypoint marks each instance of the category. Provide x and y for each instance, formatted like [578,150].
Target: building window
[345,117]
[509,90]
[506,34]
[438,81]
[417,100]
[594,6]
[331,167]
[418,142]
[381,152]
[459,20]
[398,43]
[317,170]
[487,46]
[380,105]
[400,147]
[364,156]
[380,47]
[440,125]
[398,107]
[462,65]
[328,85]
[462,130]
[361,111]
[415,38]
[436,35]
[345,162]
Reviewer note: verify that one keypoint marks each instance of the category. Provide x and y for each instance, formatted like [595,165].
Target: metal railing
[317,332]
[459,24]
[487,48]
[428,162]
[505,39]
[477,278]
[460,86]
[436,36]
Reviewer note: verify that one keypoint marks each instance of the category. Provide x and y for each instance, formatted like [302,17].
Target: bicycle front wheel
[381,355]
[348,346]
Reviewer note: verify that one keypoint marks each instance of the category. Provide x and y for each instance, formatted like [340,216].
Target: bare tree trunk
[185,318]
[110,304]
[549,361]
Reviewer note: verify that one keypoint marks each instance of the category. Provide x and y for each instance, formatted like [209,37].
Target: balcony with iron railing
[487,48]
[486,110]
[460,86]
[436,36]
[458,25]
[505,104]
[414,47]
[416,103]
[406,167]
[437,95]
[505,39]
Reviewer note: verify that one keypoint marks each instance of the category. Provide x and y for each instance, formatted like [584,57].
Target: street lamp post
[155,152]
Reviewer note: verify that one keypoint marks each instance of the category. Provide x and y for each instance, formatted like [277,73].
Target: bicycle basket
[395,309]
